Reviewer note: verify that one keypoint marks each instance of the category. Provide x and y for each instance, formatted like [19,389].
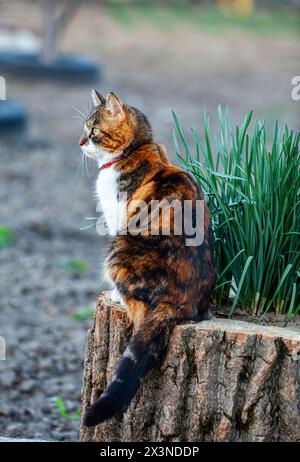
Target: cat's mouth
[94,152]
[90,150]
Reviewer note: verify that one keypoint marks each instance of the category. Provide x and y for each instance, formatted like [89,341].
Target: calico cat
[158,279]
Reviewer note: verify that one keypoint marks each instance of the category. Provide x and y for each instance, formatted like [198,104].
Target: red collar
[112,162]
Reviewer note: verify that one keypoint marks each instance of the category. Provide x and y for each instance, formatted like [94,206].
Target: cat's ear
[114,105]
[97,98]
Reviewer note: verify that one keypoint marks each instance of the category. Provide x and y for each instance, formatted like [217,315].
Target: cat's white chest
[112,208]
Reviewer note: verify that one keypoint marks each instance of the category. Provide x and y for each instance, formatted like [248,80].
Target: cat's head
[112,127]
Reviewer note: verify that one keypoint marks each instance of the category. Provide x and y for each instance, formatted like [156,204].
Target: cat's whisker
[80,166]
[78,122]
[77,117]
[95,162]
[80,112]
[87,111]
[86,166]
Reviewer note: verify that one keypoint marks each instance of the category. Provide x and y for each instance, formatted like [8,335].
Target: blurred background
[157,56]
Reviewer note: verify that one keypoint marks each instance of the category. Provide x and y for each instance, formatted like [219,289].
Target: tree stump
[220,380]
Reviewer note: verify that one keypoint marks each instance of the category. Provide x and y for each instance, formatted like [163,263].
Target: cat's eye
[95,131]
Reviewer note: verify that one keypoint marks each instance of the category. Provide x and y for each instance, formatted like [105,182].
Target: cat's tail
[142,353]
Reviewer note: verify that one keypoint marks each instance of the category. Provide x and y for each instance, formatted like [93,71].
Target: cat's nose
[83,140]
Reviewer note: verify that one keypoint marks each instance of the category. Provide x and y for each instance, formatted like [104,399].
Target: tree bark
[220,380]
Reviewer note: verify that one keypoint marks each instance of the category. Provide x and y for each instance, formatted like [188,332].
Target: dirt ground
[45,199]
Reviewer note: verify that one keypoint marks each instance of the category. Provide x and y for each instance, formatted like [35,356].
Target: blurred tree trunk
[56,14]
[220,380]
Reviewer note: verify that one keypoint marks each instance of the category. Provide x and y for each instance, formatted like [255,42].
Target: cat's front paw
[115,296]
